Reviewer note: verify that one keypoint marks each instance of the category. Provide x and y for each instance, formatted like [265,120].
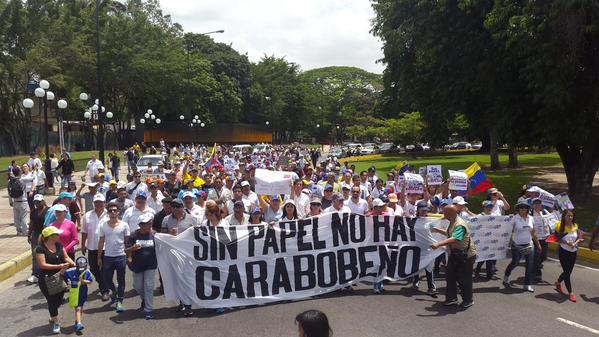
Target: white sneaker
[32,279]
[506,280]
[56,328]
[529,289]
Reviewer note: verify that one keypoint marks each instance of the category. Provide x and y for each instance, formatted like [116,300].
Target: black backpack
[16,189]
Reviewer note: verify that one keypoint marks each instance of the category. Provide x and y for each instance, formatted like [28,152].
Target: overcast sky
[311,33]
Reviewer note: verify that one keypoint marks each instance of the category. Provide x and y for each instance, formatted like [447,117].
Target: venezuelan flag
[479,182]
[403,167]
[213,161]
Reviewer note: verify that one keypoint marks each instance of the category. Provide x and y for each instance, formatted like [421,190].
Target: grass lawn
[509,181]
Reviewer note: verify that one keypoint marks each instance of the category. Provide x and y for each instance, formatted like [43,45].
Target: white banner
[491,235]
[458,180]
[214,267]
[273,182]
[434,175]
[414,183]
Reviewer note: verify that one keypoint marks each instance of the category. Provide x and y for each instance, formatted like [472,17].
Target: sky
[311,33]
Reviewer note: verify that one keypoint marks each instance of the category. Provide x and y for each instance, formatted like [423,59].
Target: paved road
[401,311]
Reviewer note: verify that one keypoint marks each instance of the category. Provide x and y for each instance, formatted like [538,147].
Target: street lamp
[41,94]
[28,103]
[181,117]
[109,115]
[62,104]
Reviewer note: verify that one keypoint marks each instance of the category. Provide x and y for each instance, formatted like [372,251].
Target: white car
[262,148]
[242,148]
[367,149]
[426,147]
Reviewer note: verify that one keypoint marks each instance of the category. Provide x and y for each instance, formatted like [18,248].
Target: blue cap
[65,195]
[328,188]
[201,194]
[256,210]
[141,195]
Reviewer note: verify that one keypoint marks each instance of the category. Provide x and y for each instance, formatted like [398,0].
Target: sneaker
[220,311]
[377,291]
[382,287]
[529,288]
[466,305]
[56,328]
[572,298]
[119,307]
[432,291]
[79,327]
[449,303]
[506,281]
[187,312]
[149,315]
[105,297]
[32,279]
[558,287]
[416,285]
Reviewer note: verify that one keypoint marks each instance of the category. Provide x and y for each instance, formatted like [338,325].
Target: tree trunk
[580,164]
[495,164]
[513,156]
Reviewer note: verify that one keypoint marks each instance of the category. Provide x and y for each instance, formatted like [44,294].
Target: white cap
[245,183]
[92,184]
[60,208]
[378,202]
[188,194]
[38,197]
[146,217]
[99,197]
[306,191]
[459,201]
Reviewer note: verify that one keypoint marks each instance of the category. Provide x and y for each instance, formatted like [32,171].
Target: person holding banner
[462,254]
[239,217]
[338,205]
[523,236]
[271,208]
[489,264]
[356,204]
[422,212]
[237,195]
[256,217]
[315,207]
[569,237]
[500,205]
[289,210]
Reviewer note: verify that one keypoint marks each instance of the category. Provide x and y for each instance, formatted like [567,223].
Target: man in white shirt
[192,208]
[91,169]
[249,195]
[113,235]
[239,217]
[220,194]
[136,186]
[132,214]
[302,200]
[90,237]
[337,205]
[33,161]
[155,198]
[355,203]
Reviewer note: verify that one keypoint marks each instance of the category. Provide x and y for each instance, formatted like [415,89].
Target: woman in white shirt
[289,211]
[523,235]
[30,181]
[569,238]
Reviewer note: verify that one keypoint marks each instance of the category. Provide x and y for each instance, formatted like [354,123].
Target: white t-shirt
[197,212]
[409,209]
[332,209]
[33,162]
[522,229]
[114,238]
[142,187]
[361,207]
[91,227]
[132,214]
[541,227]
[302,204]
[253,199]
[246,205]
[29,180]
[92,168]
[270,215]
[498,209]
[570,237]
[156,205]
[40,177]
[233,221]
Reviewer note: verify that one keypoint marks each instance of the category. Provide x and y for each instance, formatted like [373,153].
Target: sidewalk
[15,251]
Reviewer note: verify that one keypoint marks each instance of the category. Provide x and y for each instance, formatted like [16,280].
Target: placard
[273,182]
[230,165]
[458,180]
[434,175]
[414,183]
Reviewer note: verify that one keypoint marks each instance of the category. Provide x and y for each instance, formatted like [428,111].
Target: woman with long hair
[569,237]
[289,211]
[52,258]
[213,214]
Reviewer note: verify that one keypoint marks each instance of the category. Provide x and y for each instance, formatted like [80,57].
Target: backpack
[16,189]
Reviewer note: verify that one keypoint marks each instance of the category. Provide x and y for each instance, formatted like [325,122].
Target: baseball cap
[65,195]
[141,195]
[378,203]
[245,183]
[328,188]
[146,217]
[51,230]
[256,210]
[238,203]
[188,194]
[91,184]
[532,202]
[60,208]
[337,196]
[38,197]
[288,201]
[177,202]
[113,182]
[315,200]
[99,197]
[522,204]
[459,201]
[487,203]
[492,190]
[346,187]
[201,194]
[422,205]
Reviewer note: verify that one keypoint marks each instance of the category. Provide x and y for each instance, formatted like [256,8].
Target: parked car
[368,149]
[477,146]
[142,163]
[410,147]
[337,152]
[463,146]
[242,148]
[386,148]
[261,148]
[425,147]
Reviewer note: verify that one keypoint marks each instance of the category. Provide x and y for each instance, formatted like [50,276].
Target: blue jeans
[112,263]
[529,258]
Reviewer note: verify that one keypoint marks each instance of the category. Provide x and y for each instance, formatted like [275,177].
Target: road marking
[578,265]
[580,326]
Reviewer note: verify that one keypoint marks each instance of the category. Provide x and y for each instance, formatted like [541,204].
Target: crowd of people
[113,221]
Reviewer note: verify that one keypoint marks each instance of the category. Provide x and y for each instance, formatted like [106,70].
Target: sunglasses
[177,206]
[113,210]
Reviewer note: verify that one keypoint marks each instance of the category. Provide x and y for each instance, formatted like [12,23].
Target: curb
[15,265]
[583,253]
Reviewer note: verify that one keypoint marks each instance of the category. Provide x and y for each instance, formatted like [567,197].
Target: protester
[238,218]
[500,205]
[68,167]
[271,208]
[356,203]
[136,187]
[166,210]
[78,280]
[315,207]
[90,237]
[20,206]
[542,230]
[53,261]
[122,202]
[179,220]
[338,205]
[256,217]
[489,264]
[39,179]
[64,199]
[68,235]
[422,210]
[462,254]
[289,211]
[111,246]
[301,201]
[313,323]
[191,207]
[569,237]
[36,226]
[141,258]
[86,199]
[92,167]
[29,180]
[155,198]
[132,214]
[522,245]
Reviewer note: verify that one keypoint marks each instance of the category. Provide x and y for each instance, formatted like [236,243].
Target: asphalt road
[400,311]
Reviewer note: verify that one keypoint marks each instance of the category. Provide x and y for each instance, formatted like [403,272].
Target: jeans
[143,282]
[566,260]
[130,165]
[489,267]
[92,259]
[118,263]
[430,279]
[529,258]
[20,211]
[115,173]
[459,271]
[66,180]
[539,258]
[35,268]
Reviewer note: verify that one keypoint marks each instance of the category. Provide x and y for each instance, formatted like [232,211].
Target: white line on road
[578,265]
[580,326]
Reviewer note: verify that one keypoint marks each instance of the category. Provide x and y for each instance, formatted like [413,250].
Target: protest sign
[491,235]
[422,171]
[458,180]
[215,267]
[547,199]
[273,182]
[414,183]
[564,202]
[230,164]
[434,175]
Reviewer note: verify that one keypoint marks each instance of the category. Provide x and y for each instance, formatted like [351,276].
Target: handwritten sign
[458,180]
[434,175]
[414,183]
[273,182]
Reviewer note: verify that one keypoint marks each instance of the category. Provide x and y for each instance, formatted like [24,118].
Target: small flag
[479,182]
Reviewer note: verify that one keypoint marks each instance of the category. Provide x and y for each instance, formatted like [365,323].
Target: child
[78,278]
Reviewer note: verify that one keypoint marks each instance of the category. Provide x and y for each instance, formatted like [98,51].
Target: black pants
[92,256]
[567,260]
[540,257]
[459,271]
[489,267]
[54,301]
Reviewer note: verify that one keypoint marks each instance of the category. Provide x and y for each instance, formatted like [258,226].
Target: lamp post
[98,113]
[62,104]
[270,100]
[41,94]
[99,79]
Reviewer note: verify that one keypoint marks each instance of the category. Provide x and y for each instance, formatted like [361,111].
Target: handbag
[524,249]
[55,284]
